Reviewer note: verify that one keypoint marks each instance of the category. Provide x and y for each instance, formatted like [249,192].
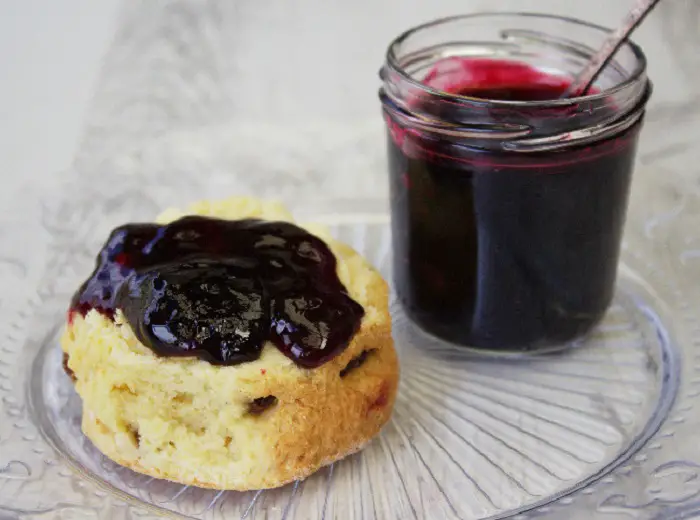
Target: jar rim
[392,61]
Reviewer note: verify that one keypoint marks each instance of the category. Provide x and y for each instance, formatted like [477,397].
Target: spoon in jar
[585,79]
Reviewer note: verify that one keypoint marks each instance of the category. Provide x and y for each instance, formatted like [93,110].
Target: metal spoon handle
[600,59]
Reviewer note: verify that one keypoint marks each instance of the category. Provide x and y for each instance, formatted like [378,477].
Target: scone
[205,375]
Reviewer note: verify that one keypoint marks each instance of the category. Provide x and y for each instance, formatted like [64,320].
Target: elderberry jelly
[508,201]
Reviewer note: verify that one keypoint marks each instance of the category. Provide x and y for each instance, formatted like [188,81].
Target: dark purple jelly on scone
[502,250]
[218,289]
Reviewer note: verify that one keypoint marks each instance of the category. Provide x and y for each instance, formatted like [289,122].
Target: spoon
[585,79]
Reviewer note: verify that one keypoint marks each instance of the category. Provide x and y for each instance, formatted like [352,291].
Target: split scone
[227,347]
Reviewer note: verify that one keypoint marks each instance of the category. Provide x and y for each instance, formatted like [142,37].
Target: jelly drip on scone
[218,289]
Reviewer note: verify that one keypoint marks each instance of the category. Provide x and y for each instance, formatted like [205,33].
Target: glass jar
[508,200]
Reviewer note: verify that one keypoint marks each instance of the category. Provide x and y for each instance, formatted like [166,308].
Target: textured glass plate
[470,438]
[604,429]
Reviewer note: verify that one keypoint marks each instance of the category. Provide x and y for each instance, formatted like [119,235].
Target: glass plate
[604,429]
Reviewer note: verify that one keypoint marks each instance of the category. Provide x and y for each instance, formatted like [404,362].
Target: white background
[50,58]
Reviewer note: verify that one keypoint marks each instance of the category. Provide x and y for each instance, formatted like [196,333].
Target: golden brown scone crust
[188,421]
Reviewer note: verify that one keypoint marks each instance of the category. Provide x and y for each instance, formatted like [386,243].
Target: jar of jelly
[508,199]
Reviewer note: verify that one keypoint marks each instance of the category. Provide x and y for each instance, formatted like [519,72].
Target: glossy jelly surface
[502,250]
[218,289]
